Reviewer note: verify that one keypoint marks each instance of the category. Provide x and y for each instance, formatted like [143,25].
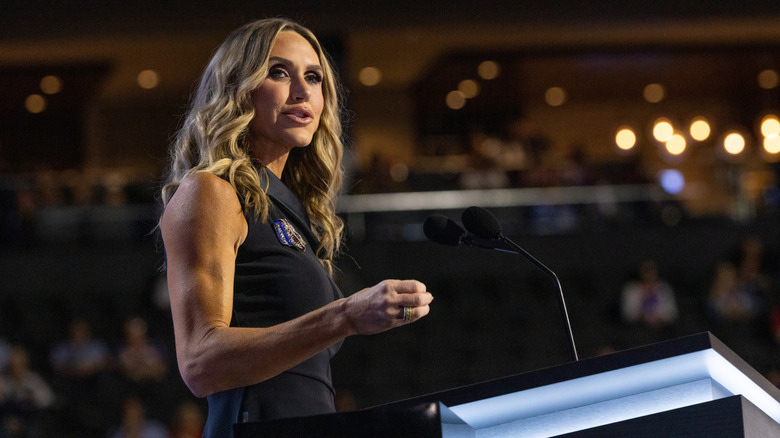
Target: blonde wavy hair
[215,132]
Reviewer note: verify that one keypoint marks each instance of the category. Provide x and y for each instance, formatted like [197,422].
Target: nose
[300,91]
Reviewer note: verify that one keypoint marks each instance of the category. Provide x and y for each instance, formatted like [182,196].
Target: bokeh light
[148,79]
[399,172]
[469,87]
[772,144]
[654,93]
[734,143]
[672,181]
[768,79]
[770,126]
[555,96]
[455,100]
[663,129]
[51,84]
[676,144]
[370,76]
[700,129]
[35,103]
[488,70]
[625,138]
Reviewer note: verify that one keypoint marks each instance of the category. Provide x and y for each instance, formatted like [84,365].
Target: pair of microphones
[483,230]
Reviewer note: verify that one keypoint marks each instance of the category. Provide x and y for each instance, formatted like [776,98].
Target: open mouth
[301,114]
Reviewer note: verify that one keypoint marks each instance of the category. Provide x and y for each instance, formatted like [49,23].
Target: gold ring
[407,314]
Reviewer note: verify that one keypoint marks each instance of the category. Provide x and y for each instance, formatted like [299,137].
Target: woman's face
[289,102]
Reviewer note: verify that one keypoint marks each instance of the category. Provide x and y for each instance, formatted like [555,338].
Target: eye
[314,78]
[277,72]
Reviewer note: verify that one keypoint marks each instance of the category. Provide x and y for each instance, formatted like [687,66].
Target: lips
[302,115]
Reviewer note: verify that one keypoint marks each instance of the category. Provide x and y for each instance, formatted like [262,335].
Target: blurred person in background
[187,421]
[79,364]
[648,300]
[26,398]
[135,424]
[139,359]
[80,357]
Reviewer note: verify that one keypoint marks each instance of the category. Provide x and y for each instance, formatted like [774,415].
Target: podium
[694,386]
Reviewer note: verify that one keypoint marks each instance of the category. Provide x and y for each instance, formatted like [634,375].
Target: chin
[300,141]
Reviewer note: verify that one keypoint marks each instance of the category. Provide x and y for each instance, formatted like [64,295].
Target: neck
[272,155]
[277,167]
[273,160]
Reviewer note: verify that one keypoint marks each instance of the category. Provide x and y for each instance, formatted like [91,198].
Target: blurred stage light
[35,103]
[148,79]
[663,129]
[555,96]
[768,79]
[469,88]
[676,144]
[770,126]
[654,93]
[51,84]
[700,129]
[672,181]
[734,143]
[489,70]
[625,138]
[455,100]
[772,144]
[370,76]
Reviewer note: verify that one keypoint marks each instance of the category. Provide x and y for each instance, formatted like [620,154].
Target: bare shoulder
[204,191]
[204,199]
[205,186]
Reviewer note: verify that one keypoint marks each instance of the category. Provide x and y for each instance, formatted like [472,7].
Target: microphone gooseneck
[483,224]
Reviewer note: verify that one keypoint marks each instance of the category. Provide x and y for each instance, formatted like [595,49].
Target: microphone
[485,226]
[445,231]
[481,222]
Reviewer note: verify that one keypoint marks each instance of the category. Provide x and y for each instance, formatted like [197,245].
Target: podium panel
[421,420]
[688,384]
[730,417]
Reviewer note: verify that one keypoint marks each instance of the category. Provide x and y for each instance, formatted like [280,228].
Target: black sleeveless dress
[278,277]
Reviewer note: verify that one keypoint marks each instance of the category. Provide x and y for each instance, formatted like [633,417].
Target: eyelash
[278,72]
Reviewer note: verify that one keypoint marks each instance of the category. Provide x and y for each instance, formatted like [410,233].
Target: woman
[250,233]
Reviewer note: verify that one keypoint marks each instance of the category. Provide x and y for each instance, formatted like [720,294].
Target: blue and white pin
[288,235]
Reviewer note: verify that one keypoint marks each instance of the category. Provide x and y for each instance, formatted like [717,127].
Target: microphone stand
[441,229]
[561,302]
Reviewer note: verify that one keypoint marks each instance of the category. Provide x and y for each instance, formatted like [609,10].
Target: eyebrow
[288,62]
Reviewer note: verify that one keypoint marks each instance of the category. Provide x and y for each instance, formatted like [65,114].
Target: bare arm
[203,227]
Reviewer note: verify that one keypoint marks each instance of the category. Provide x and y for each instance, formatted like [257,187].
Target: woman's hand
[382,307]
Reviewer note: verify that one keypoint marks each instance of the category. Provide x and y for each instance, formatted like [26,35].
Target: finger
[415,300]
[411,293]
[409,287]
[421,311]
[407,313]
[411,314]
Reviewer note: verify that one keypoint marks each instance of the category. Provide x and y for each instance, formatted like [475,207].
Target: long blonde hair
[214,135]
